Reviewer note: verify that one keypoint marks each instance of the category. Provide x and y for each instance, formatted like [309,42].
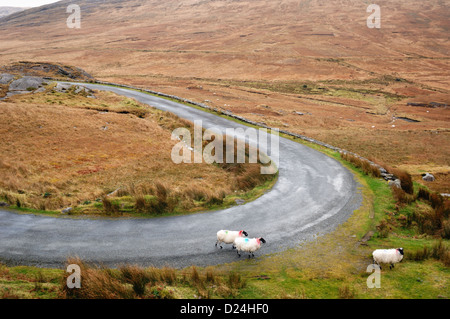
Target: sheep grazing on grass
[249,245]
[228,236]
[387,256]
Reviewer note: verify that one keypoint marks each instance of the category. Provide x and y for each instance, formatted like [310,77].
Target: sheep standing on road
[249,245]
[228,236]
[387,256]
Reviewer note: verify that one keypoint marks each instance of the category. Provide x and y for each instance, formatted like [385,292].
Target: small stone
[67,210]
[395,183]
[428,177]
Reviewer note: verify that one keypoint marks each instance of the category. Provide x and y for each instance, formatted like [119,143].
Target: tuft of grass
[405,179]
[345,292]
[366,167]
[137,277]
[110,207]
[97,283]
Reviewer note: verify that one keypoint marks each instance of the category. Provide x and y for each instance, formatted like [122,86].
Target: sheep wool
[228,236]
[249,245]
[387,256]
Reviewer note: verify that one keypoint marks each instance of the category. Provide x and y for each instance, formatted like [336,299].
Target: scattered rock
[67,210]
[428,177]
[3,204]
[77,89]
[388,177]
[61,87]
[240,201]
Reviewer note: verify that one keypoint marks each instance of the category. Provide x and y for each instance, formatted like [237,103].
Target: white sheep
[228,236]
[249,245]
[387,256]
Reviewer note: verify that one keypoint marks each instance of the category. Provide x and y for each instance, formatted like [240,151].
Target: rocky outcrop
[43,69]
[26,83]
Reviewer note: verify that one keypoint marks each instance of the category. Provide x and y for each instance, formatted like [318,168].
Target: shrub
[109,206]
[197,194]
[438,251]
[235,281]
[140,204]
[96,283]
[214,200]
[364,165]
[161,292]
[401,197]
[423,194]
[168,275]
[436,200]
[446,229]
[383,229]
[405,179]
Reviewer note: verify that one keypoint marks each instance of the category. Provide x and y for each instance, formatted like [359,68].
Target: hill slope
[279,39]
[6,11]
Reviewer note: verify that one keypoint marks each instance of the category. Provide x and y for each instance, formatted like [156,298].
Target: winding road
[313,195]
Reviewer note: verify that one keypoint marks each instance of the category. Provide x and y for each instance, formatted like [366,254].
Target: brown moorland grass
[64,149]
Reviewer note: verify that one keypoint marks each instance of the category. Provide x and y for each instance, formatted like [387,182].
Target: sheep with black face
[387,256]
[229,236]
[249,245]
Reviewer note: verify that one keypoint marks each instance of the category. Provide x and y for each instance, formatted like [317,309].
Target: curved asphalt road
[313,195]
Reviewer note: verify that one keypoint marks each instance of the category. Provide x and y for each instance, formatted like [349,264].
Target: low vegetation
[108,155]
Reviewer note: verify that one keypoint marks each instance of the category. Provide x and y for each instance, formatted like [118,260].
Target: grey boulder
[428,177]
[5,78]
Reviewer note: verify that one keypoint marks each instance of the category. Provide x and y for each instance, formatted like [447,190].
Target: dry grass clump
[110,207]
[96,283]
[431,216]
[132,281]
[405,179]
[135,276]
[438,251]
[401,197]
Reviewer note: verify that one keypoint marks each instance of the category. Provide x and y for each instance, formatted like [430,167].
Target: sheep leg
[238,253]
[375,263]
